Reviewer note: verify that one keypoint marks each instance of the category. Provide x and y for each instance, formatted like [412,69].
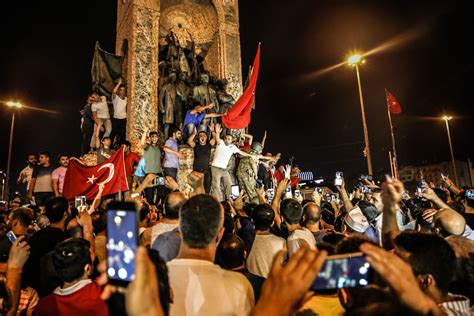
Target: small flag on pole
[392,103]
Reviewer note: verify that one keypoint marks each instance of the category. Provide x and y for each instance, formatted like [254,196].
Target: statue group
[184,83]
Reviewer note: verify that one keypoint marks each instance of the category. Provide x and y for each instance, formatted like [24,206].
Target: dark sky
[46,54]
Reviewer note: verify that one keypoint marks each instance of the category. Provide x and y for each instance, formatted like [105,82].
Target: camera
[159,181]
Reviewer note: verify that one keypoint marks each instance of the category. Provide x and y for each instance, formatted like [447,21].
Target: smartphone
[79,201]
[469,194]
[270,194]
[235,192]
[11,236]
[258,183]
[297,193]
[338,180]
[341,271]
[160,181]
[122,242]
[443,176]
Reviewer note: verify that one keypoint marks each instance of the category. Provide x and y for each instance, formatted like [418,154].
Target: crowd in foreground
[208,251]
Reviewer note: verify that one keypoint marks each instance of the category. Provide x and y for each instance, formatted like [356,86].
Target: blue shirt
[171,160]
[140,170]
[194,119]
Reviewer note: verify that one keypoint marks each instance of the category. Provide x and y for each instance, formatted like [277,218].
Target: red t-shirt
[131,160]
[85,301]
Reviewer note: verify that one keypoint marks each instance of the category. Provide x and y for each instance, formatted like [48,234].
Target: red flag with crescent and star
[239,115]
[392,103]
[85,180]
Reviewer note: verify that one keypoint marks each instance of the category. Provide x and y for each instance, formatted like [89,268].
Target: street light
[354,61]
[14,106]
[447,118]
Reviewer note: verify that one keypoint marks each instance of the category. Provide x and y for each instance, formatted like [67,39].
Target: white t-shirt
[120,107]
[297,238]
[264,249]
[101,108]
[223,154]
[202,288]
[161,228]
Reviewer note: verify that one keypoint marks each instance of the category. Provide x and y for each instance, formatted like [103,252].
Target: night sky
[46,54]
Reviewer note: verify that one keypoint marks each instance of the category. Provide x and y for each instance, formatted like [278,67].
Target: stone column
[138,23]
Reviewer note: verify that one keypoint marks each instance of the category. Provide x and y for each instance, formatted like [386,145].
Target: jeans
[172,172]
[41,197]
[119,130]
[87,134]
[108,128]
[218,175]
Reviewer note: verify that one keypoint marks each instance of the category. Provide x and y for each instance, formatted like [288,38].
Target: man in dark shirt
[233,258]
[87,125]
[18,223]
[44,241]
[202,154]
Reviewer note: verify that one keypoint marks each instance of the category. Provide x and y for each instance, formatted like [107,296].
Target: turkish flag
[392,103]
[239,115]
[85,180]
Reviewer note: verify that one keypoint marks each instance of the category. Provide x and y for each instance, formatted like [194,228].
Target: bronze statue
[166,102]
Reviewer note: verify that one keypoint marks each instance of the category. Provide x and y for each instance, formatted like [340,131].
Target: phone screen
[11,236]
[338,180]
[80,200]
[340,271]
[270,194]
[235,192]
[160,180]
[122,242]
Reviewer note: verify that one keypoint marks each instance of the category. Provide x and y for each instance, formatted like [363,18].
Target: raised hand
[287,171]
[19,253]
[392,193]
[218,128]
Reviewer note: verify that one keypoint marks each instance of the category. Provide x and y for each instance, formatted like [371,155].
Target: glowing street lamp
[13,105]
[354,61]
[447,118]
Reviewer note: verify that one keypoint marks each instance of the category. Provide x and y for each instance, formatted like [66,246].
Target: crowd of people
[208,251]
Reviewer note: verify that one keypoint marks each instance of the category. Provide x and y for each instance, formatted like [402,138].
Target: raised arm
[391,196]
[191,138]
[215,115]
[117,86]
[264,139]
[143,139]
[212,141]
[249,137]
[344,196]
[217,134]
[280,190]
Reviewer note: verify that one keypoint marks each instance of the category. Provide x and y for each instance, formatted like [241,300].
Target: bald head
[450,222]
[173,203]
[312,213]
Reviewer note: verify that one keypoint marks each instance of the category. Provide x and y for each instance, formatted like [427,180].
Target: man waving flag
[85,180]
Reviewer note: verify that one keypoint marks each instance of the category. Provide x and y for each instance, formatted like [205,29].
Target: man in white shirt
[224,151]
[24,178]
[119,121]
[292,212]
[266,245]
[200,287]
[59,174]
[100,113]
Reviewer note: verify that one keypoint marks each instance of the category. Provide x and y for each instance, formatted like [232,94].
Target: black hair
[173,129]
[327,213]
[144,211]
[55,208]
[229,225]
[291,211]
[263,217]
[94,92]
[232,252]
[441,194]
[429,254]
[369,210]
[201,217]
[23,215]
[333,238]
[99,221]
[45,153]
[122,86]
[30,154]
[249,208]
[127,143]
[163,280]
[152,133]
[62,155]
[226,206]
[5,297]
[70,257]
[458,207]
[172,206]
[351,244]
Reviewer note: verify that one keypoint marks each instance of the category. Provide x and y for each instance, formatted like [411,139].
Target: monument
[193,38]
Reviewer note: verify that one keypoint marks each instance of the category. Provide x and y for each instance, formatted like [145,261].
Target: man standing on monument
[202,153]
[195,117]
[224,150]
[100,112]
[59,174]
[172,154]
[152,160]
[119,121]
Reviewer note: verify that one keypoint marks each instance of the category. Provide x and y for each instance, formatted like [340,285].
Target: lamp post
[447,118]
[354,61]
[14,106]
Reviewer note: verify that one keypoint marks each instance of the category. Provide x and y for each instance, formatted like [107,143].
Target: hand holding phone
[339,179]
[122,242]
[11,236]
[235,192]
[342,271]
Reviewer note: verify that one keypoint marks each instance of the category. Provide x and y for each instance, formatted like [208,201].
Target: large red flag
[392,103]
[239,115]
[85,180]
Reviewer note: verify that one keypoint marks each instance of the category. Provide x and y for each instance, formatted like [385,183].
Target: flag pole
[391,162]
[394,159]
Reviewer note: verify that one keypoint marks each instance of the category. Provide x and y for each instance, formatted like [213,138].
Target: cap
[356,220]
